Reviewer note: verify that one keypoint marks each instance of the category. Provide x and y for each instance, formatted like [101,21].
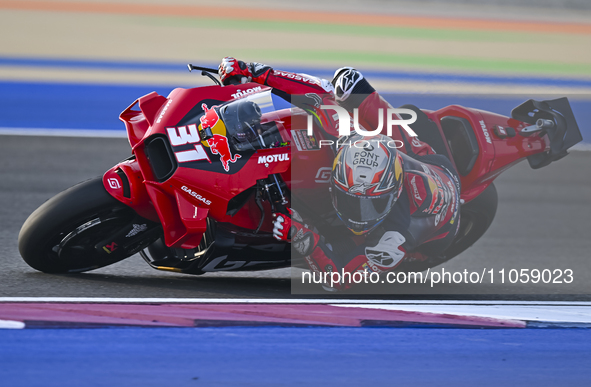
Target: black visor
[361,213]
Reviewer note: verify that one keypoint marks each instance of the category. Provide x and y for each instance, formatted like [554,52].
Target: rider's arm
[302,90]
[289,83]
[373,255]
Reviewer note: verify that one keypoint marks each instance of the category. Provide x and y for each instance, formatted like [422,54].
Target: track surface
[295,357]
[542,223]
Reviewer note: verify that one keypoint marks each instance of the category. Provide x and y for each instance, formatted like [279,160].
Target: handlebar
[205,71]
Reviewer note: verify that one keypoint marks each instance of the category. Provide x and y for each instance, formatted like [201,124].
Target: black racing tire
[476,217]
[60,235]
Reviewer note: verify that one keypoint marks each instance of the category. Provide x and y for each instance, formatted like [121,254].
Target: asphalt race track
[542,223]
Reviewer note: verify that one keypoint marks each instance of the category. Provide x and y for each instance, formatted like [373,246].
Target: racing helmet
[366,181]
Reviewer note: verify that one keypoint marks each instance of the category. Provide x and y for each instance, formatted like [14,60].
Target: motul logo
[485,131]
[273,158]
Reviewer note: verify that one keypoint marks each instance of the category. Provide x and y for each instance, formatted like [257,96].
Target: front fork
[125,183]
[274,190]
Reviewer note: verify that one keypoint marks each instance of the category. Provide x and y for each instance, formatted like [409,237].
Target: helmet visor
[363,211]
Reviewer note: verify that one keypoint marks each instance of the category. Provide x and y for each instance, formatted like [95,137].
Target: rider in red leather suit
[421,223]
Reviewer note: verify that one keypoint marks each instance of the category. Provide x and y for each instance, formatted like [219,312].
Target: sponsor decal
[110,248]
[382,257]
[312,265]
[273,158]
[210,118]
[369,159]
[243,93]
[347,81]
[223,264]
[258,67]
[218,145]
[296,141]
[137,228]
[454,203]
[485,131]
[327,85]
[440,193]
[302,242]
[296,77]
[370,267]
[113,183]
[418,190]
[415,190]
[361,188]
[163,111]
[299,235]
[416,143]
[303,141]
[323,175]
[435,194]
[195,195]
[437,219]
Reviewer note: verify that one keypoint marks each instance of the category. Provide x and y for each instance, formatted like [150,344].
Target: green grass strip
[354,30]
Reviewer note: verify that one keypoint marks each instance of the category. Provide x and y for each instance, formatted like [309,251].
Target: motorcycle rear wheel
[476,216]
[60,236]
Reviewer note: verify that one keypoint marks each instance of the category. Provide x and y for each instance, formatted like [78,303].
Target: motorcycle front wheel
[63,234]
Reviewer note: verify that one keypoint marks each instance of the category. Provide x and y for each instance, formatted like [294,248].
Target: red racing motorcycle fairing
[181,180]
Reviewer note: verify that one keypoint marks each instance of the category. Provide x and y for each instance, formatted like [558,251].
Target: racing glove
[231,68]
[291,228]
[306,242]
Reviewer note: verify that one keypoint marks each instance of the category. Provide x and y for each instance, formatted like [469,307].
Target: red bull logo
[218,145]
[210,118]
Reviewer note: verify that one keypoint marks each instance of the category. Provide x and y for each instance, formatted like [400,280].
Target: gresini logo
[323,175]
[394,117]
[114,183]
[273,158]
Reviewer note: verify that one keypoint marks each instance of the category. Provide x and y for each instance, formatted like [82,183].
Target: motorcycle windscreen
[249,122]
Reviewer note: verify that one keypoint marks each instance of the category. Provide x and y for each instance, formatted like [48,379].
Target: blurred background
[77,64]
[68,68]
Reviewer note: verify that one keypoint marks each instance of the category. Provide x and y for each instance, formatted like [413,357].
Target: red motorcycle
[211,164]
